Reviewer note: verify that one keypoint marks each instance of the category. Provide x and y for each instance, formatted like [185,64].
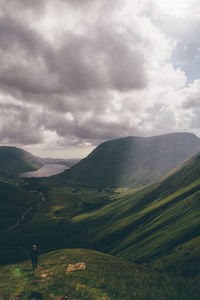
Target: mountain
[14,161]
[104,278]
[132,161]
[156,225]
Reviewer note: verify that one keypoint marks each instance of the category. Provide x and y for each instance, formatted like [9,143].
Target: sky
[75,73]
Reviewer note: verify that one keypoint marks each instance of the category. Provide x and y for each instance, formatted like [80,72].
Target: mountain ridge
[14,161]
[132,161]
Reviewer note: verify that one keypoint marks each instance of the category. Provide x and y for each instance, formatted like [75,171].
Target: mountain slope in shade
[14,161]
[13,202]
[132,161]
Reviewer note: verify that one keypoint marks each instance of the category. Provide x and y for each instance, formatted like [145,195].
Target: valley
[153,228]
[99,150]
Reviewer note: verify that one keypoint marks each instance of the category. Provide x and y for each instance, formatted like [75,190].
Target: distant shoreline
[46,171]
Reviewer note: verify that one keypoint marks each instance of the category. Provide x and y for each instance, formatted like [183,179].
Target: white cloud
[79,74]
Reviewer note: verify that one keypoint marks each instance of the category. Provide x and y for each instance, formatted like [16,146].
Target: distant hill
[14,161]
[132,161]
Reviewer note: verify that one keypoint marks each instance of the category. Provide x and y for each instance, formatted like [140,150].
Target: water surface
[46,171]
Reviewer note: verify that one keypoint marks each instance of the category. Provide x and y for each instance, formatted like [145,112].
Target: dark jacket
[34,253]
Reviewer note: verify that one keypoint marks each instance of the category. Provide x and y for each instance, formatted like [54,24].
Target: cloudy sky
[74,73]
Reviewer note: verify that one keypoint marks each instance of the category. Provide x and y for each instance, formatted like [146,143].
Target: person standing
[34,256]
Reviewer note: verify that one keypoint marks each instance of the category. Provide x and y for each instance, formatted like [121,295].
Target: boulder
[77,266]
[44,275]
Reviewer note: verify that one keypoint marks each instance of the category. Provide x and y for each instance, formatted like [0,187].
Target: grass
[105,278]
[50,223]
[14,200]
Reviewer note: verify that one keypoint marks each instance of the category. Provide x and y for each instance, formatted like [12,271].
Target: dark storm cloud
[36,71]
[78,3]
[19,125]
[92,130]
[24,6]
[13,33]
[97,61]
[22,53]
[126,65]
[75,65]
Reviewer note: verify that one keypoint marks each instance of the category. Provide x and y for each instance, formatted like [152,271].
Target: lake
[46,171]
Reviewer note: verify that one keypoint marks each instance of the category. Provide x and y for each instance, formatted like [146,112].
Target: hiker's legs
[34,262]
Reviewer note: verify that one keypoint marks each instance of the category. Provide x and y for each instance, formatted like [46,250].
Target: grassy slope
[50,223]
[14,161]
[13,201]
[132,161]
[105,278]
[158,225]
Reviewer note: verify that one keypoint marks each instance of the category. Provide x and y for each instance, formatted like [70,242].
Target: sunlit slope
[13,202]
[14,161]
[159,224]
[132,161]
[105,278]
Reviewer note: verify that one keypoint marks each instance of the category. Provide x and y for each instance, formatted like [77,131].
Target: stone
[77,266]
[44,275]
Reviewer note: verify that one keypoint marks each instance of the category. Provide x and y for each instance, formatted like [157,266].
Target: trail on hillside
[27,211]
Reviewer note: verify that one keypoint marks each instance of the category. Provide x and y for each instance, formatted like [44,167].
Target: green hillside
[161,219]
[156,225]
[13,202]
[50,226]
[132,161]
[105,278]
[14,161]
